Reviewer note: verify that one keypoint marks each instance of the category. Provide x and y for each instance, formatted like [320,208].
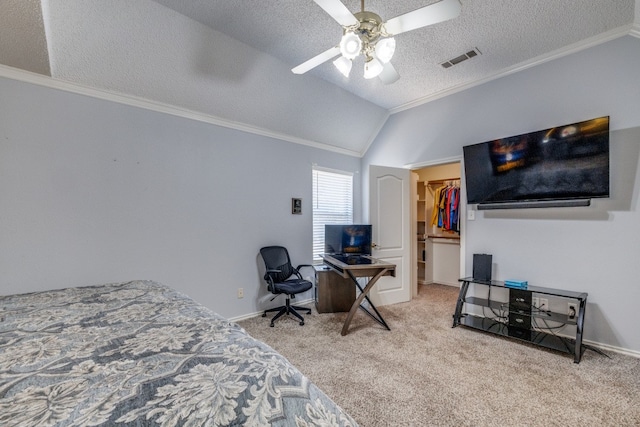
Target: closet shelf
[443,236]
[442,181]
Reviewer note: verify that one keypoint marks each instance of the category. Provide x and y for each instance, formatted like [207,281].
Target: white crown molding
[103,94]
[42,80]
[437,162]
[632,29]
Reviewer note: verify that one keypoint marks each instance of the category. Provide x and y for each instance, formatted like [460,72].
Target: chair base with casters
[287,309]
[283,278]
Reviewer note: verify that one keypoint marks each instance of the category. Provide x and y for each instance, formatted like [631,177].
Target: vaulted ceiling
[229,62]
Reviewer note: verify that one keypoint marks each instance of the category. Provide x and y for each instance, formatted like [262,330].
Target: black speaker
[482,267]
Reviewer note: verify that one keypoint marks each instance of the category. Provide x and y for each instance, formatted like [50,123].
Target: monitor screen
[347,239]
[560,163]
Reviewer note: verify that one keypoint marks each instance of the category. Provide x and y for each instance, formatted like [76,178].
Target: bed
[142,354]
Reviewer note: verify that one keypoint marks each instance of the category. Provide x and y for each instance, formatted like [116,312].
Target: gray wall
[594,249]
[93,191]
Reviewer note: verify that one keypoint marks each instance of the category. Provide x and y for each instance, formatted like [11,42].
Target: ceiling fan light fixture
[343,65]
[372,68]
[365,33]
[385,49]
[350,45]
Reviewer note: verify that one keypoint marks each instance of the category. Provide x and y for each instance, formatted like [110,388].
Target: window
[332,204]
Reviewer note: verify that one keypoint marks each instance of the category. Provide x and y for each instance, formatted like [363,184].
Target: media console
[520,318]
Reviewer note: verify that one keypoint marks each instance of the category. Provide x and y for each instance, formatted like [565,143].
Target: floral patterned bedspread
[142,354]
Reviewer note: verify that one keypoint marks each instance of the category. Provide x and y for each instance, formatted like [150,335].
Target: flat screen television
[347,239]
[560,166]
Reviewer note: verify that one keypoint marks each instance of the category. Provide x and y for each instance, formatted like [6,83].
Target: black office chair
[282,278]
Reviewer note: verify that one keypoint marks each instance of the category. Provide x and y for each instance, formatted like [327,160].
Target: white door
[390,215]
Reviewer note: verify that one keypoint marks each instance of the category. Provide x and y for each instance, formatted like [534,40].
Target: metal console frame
[541,338]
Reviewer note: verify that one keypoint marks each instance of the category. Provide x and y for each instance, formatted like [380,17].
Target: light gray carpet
[425,373]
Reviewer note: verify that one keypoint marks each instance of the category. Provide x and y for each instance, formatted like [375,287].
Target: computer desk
[373,271]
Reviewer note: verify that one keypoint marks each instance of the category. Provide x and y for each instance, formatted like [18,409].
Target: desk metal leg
[378,317]
[357,303]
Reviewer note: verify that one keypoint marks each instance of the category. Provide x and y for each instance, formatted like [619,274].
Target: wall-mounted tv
[560,166]
[347,239]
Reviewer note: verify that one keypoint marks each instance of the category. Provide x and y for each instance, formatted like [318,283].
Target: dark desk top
[358,265]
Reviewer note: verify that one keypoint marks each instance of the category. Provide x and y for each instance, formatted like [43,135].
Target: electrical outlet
[240,293]
[544,304]
[572,310]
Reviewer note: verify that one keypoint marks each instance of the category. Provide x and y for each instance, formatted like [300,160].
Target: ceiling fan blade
[338,11]
[389,74]
[428,15]
[316,60]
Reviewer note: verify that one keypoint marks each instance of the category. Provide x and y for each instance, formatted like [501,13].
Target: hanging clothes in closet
[446,201]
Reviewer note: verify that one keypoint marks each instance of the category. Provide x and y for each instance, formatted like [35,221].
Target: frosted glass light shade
[350,45]
[385,49]
[343,65]
[372,68]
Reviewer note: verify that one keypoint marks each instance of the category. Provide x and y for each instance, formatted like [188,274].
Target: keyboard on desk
[352,259]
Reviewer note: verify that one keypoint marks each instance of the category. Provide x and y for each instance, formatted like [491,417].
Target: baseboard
[456,284]
[599,346]
[259,313]
[612,348]
[245,317]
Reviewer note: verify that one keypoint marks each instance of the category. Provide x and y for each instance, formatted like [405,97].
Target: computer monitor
[347,239]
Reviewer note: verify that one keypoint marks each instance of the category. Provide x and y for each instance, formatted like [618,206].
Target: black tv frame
[522,171]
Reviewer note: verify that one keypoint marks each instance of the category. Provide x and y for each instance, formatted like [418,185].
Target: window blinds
[332,204]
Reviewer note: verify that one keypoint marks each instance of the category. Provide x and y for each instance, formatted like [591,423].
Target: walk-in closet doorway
[438,224]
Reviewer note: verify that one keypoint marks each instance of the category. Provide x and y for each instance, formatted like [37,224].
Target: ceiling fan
[366,34]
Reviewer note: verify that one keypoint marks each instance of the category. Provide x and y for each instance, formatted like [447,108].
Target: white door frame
[463,217]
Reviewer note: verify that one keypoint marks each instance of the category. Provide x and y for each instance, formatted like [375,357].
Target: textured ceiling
[22,40]
[507,32]
[231,60]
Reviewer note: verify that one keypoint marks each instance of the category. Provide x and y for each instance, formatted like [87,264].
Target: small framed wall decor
[296,206]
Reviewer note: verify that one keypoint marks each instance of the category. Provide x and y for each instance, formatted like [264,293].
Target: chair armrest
[267,275]
[303,265]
